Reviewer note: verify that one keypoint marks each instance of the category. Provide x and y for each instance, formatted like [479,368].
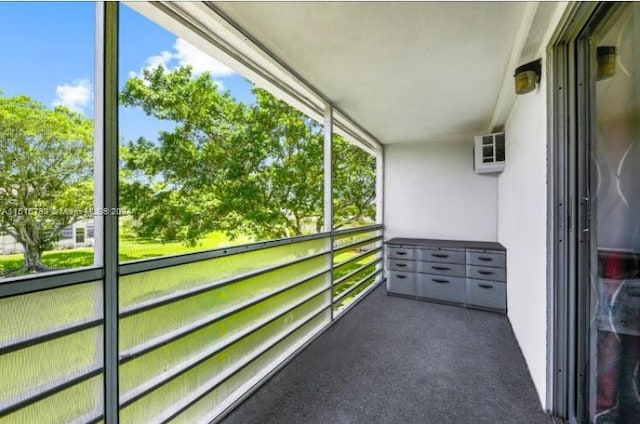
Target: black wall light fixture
[527,76]
[606,60]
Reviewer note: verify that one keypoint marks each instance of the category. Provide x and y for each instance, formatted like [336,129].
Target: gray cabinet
[442,255]
[439,268]
[486,294]
[401,265]
[401,283]
[438,287]
[465,273]
[397,251]
[486,273]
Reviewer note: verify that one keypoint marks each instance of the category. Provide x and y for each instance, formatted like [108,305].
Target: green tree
[46,166]
[243,169]
[354,182]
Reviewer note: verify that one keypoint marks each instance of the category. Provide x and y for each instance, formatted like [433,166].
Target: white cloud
[162,59]
[153,62]
[220,85]
[76,96]
[184,53]
[187,54]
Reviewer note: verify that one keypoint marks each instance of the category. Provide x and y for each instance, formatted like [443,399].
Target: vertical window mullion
[380,197]
[328,184]
[380,186]
[107,129]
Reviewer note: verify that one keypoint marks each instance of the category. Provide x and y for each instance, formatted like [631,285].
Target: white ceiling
[405,71]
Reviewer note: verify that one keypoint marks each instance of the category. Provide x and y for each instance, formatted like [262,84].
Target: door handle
[585,203]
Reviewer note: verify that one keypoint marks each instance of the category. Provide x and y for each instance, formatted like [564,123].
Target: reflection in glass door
[613,393]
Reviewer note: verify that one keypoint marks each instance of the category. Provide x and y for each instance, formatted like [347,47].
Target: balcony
[229,173]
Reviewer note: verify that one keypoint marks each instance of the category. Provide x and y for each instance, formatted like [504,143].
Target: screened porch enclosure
[152,329]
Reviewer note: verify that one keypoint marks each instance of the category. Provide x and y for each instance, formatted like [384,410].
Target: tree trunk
[32,262]
[29,236]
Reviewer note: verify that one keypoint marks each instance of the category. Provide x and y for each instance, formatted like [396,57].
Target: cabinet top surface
[436,243]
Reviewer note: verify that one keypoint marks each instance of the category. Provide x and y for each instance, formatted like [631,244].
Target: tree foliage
[253,169]
[46,169]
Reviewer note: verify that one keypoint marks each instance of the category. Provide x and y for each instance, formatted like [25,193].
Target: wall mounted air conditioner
[488,153]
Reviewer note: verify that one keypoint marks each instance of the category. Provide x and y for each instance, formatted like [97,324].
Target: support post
[328,184]
[380,185]
[107,115]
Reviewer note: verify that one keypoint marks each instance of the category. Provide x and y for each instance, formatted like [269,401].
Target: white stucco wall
[431,191]
[522,228]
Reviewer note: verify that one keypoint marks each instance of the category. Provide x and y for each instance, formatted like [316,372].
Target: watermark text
[64,212]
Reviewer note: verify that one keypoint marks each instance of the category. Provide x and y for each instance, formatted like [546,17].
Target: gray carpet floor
[395,360]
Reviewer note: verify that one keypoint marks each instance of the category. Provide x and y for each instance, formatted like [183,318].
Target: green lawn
[130,249]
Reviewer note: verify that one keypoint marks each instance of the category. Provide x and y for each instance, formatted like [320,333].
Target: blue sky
[47,53]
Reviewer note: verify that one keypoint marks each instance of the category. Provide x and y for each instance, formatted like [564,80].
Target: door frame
[569,209]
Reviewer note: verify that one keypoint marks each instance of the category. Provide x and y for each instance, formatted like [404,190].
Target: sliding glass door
[596,191]
[613,214]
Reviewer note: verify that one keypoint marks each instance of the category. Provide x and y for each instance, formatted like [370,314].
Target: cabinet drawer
[451,270]
[400,252]
[437,255]
[487,294]
[494,259]
[400,265]
[486,273]
[450,289]
[401,283]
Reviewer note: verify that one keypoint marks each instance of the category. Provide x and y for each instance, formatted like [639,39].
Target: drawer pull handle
[441,268]
[484,258]
[485,286]
[401,265]
[439,255]
[440,281]
[401,253]
[402,277]
[485,272]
